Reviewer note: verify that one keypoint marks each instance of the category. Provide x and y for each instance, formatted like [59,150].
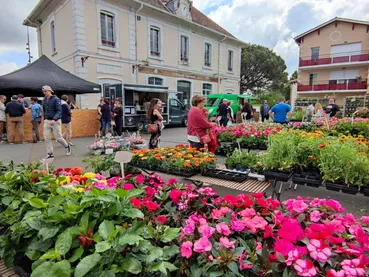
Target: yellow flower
[66,180]
[78,189]
[89,175]
[144,158]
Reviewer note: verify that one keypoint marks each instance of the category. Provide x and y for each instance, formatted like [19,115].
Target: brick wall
[84,124]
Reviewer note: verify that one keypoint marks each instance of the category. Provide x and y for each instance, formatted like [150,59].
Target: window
[155,81]
[207,61]
[53,42]
[155,41]
[107,29]
[315,53]
[206,89]
[313,78]
[185,88]
[230,60]
[184,49]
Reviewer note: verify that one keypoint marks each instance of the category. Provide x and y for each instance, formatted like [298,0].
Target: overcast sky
[272,23]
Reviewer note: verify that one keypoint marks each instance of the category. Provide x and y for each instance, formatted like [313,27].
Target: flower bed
[177,160]
[79,224]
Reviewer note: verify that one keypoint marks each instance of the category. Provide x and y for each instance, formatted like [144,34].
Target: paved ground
[359,205]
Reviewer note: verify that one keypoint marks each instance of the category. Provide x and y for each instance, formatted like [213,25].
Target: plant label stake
[123,157]
[47,162]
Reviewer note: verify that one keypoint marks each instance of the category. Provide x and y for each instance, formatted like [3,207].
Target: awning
[139,88]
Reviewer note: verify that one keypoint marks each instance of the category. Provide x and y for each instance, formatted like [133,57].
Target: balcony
[336,59]
[333,85]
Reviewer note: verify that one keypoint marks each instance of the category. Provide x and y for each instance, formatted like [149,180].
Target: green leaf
[134,213]
[162,267]
[84,222]
[60,269]
[7,200]
[171,267]
[102,246]
[301,217]
[171,234]
[170,251]
[132,265]
[86,264]
[64,242]
[35,223]
[106,228]
[285,273]
[109,273]
[33,255]
[37,203]
[47,233]
[121,193]
[76,255]
[234,268]
[52,254]
[154,253]
[216,273]
[130,239]
[41,269]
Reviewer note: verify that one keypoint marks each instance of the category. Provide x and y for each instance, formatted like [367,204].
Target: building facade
[334,60]
[149,42]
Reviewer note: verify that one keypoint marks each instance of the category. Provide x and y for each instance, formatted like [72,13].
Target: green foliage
[242,160]
[261,69]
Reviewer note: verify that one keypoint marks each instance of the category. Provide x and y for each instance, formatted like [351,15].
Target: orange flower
[322,145]
[187,164]
[197,164]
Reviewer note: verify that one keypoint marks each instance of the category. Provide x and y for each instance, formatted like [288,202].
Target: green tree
[294,75]
[262,69]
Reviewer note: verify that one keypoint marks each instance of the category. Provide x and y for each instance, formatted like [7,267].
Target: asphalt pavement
[358,205]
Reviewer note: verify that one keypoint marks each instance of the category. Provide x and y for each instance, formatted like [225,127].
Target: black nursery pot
[365,191]
[340,186]
[282,176]
[334,186]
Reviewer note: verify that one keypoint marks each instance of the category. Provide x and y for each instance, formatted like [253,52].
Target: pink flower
[172,181]
[206,231]
[140,179]
[208,191]
[175,195]
[128,186]
[161,219]
[242,264]
[353,268]
[319,251]
[186,249]
[217,214]
[226,243]
[365,220]
[223,228]
[294,255]
[237,225]
[333,273]
[258,246]
[291,231]
[315,216]
[255,223]
[283,247]
[305,268]
[334,205]
[298,206]
[202,245]
[150,191]
[189,229]
[248,213]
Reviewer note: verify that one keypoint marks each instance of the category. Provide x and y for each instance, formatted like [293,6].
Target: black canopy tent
[30,79]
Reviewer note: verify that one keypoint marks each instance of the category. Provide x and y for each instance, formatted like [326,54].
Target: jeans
[196,145]
[106,122]
[56,129]
[309,117]
[263,117]
[15,123]
[223,121]
[36,132]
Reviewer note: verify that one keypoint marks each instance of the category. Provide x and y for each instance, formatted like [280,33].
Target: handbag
[152,128]
[205,139]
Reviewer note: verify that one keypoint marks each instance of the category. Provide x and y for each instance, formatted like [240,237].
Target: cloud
[13,35]
[274,24]
[6,67]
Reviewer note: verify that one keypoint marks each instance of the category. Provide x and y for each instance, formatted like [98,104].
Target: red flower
[291,231]
[136,202]
[175,195]
[150,191]
[76,171]
[150,205]
[161,219]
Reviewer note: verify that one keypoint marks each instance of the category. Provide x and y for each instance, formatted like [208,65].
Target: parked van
[214,100]
[136,98]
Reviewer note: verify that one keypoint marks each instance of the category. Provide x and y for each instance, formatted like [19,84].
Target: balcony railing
[349,57]
[331,85]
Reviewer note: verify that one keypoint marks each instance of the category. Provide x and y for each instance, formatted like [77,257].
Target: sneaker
[69,150]
[49,156]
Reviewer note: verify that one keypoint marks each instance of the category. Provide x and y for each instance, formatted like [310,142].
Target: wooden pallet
[250,185]
[7,272]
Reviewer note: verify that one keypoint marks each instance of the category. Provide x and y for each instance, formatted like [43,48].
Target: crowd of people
[55,112]
[110,117]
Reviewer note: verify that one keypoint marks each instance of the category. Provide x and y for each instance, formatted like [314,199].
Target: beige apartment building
[147,43]
[334,59]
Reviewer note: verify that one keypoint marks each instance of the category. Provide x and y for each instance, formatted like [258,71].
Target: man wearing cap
[52,123]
